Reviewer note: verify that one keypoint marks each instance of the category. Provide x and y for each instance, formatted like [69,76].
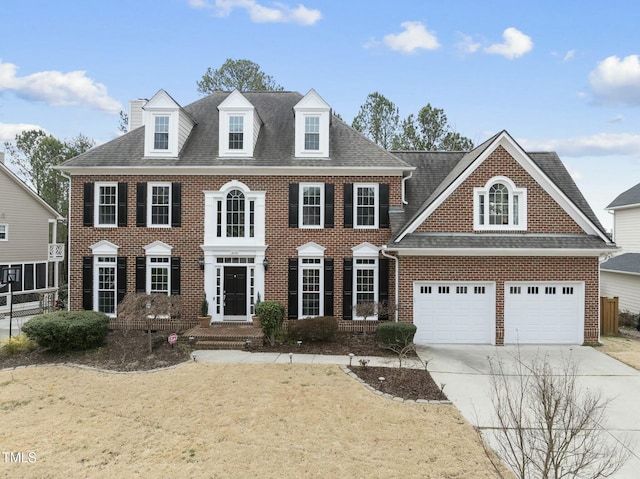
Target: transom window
[107,204]
[161,133]
[312,133]
[233,213]
[4,232]
[500,206]
[236,132]
[160,204]
[159,269]
[312,205]
[366,206]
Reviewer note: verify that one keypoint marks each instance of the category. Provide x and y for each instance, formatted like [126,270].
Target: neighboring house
[620,275]
[28,228]
[270,194]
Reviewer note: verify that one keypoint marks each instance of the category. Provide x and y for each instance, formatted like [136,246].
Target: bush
[323,328]
[396,334]
[68,330]
[16,344]
[271,314]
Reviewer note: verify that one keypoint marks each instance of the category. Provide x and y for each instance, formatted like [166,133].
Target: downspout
[404,180]
[68,258]
[395,258]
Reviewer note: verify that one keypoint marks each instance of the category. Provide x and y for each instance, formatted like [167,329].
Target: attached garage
[454,312]
[544,313]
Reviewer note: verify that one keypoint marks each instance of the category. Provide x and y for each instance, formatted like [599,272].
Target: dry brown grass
[623,349]
[226,421]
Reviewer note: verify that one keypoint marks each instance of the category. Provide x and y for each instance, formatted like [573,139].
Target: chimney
[135,113]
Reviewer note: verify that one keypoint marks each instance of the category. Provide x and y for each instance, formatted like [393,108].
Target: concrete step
[209,344]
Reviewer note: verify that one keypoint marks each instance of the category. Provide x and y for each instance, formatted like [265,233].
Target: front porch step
[220,344]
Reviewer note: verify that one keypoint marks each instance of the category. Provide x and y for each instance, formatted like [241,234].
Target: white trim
[97,264]
[301,187]
[158,248]
[96,204]
[615,271]
[498,251]
[4,232]
[513,192]
[365,250]
[520,156]
[312,105]
[149,205]
[318,264]
[161,105]
[376,209]
[375,267]
[164,264]
[237,105]
[311,250]
[104,248]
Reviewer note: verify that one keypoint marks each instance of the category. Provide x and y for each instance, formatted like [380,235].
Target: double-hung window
[107,204]
[236,132]
[311,206]
[161,133]
[366,280]
[366,205]
[4,232]
[311,281]
[500,206]
[312,133]
[106,284]
[160,204]
[159,274]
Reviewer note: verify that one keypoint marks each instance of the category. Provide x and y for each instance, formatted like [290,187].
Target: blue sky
[561,76]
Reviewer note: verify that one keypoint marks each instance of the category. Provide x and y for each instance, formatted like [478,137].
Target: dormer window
[500,206]
[161,133]
[312,123]
[236,132]
[312,133]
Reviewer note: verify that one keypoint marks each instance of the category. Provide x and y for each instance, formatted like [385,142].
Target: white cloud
[616,81]
[415,36]
[8,131]
[279,13]
[58,89]
[569,55]
[600,144]
[617,119]
[466,45]
[515,44]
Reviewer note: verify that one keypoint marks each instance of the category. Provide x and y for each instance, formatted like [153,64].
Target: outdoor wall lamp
[265,264]
[201,263]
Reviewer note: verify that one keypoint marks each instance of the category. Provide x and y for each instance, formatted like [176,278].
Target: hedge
[68,330]
[396,334]
[322,328]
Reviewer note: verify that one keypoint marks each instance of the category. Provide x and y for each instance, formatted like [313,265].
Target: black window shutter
[122,204]
[348,205]
[122,278]
[328,204]
[175,275]
[141,204]
[141,274]
[294,189]
[383,284]
[88,204]
[383,221]
[293,289]
[328,286]
[176,204]
[347,289]
[87,282]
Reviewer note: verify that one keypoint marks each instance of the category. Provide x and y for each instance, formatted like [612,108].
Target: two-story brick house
[268,193]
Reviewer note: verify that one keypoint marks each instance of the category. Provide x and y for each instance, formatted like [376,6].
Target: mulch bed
[130,352]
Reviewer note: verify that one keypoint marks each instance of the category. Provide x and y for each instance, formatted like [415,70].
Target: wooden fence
[608,315]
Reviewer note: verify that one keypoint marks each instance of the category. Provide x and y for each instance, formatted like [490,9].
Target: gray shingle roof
[275,145]
[629,197]
[500,241]
[624,263]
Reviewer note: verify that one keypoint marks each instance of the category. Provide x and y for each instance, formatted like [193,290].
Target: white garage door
[543,313]
[456,312]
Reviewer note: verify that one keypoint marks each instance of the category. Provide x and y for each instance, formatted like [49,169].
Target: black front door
[235,291]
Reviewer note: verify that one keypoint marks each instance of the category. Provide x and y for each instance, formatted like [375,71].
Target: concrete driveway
[465,371]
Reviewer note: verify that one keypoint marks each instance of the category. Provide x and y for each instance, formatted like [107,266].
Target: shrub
[17,344]
[323,328]
[396,334]
[271,314]
[68,330]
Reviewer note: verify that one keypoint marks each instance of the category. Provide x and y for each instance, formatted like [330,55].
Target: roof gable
[469,162]
[626,199]
[161,100]
[32,194]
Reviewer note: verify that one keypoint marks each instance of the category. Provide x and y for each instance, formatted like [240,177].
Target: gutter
[64,175]
[395,258]
[404,181]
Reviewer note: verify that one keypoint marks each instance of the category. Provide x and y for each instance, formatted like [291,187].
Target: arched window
[500,206]
[235,214]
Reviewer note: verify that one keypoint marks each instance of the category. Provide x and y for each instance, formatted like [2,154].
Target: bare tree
[548,427]
[149,310]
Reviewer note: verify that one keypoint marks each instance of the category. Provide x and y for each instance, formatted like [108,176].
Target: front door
[235,291]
